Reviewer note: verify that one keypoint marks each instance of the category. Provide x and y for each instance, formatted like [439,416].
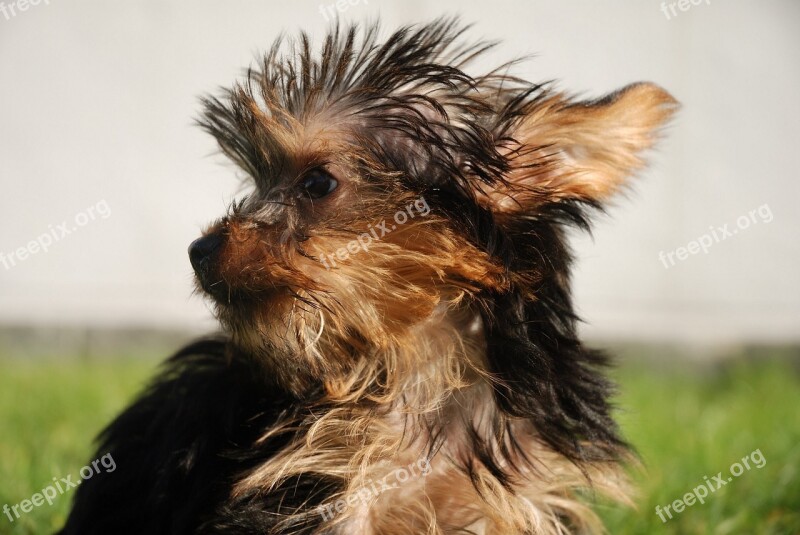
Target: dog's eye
[317,184]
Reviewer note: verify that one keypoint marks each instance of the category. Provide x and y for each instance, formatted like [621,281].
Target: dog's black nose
[204,251]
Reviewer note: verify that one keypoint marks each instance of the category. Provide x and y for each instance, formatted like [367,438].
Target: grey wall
[97,100]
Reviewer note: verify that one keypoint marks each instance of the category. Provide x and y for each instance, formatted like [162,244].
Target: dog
[398,351]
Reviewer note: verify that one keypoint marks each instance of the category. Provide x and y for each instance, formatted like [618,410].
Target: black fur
[548,376]
[180,446]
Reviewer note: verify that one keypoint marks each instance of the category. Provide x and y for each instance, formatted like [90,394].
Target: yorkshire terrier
[399,352]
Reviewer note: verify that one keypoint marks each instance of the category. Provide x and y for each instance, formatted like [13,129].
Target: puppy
[399,350]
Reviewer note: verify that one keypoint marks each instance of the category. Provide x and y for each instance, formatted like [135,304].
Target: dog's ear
[580,150]
[561,154]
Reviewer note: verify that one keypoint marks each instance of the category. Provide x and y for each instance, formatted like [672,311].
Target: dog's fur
[451,339]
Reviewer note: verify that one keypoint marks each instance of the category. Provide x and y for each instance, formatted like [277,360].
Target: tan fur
[361,445]
[583,151]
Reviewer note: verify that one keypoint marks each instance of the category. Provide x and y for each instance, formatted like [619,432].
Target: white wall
[97,100]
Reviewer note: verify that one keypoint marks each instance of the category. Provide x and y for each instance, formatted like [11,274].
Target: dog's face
[388,186]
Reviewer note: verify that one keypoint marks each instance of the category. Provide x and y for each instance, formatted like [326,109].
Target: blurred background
[98,100]
[105,182]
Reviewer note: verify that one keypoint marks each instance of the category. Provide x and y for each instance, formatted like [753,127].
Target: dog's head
[389,186]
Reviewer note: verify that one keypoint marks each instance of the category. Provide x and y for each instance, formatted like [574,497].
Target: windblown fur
[443,348]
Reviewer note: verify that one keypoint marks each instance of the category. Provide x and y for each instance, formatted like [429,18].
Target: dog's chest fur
[477,470]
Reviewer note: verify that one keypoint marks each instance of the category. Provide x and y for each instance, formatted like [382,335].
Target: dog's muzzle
[204,255]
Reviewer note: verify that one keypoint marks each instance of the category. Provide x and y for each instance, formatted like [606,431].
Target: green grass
[685,424]
[49,414]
